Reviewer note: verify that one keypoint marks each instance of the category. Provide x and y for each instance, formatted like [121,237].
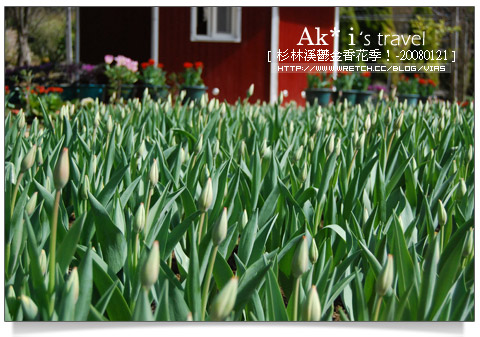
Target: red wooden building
[232,42]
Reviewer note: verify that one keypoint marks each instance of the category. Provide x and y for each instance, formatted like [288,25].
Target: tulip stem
[15,191]
[53,246]
[200,227]
[135,252]
[150,193]
[390,143]
[377,308]
[351,164]
[295,299]
[208,276]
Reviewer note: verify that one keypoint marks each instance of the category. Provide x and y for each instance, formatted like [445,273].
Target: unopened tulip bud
[298,153]
[441,213]
[109,124]
[216,147]
[461,189]
[368,123]
[250,90]
[154,173]
[84,188]
[73,285]
[62,170]
[206,198]
[43,262]
[385,278]
[468,247]
[30,207]
[151,267]
[29,159]
[139,219]
[388,117]
[30,309]
[361,141]
[39,156]
[199,145]
[374,117]
[219,231]
[399,122]
[338,147]
[318,123]
[304,172]
[331,144]
[311,143]
[182,155]
[21,120]
[313,253]
[470,153]
[312,310]
[291,128]
[222,305]
[96,120]
[300,258]
[244,219]
[365,215]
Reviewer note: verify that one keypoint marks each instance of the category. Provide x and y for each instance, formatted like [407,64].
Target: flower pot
[127,91]
[424,99]
[412,99]
[193,92]
[90,90]
[363,96]
[320,95]
[350,96]
[69,92]
[156,92]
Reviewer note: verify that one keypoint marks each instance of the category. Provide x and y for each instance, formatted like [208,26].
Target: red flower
[198,64]
[151,62]
[188,65]
[431,82]
[160,65]
[422,81]
[416,75]
[7,89]
[145,65]
[41,89]
[366,74]
[465,104]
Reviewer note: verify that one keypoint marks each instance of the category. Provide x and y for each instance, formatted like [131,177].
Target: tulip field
[145,210]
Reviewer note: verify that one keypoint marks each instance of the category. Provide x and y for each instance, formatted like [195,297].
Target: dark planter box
[412,99]
[193,93]
[320,95]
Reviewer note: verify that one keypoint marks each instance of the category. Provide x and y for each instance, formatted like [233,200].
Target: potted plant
[362,82]
[192,81]
[344,83]
[426,87]
[319,88]
[87,85]
[121,76]
[407,89]
[154,79]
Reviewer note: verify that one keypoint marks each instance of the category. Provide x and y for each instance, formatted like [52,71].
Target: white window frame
[212,34]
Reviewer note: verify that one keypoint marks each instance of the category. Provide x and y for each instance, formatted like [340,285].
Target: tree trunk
[24,54]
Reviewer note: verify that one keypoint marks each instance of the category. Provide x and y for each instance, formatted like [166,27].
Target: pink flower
[121,60]
[108,59]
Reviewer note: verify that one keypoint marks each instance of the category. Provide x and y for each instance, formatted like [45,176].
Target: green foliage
[367,198]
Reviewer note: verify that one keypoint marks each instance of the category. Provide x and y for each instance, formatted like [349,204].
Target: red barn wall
[293,21]
[231,67]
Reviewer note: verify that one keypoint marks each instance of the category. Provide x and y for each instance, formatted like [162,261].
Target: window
[216,24]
